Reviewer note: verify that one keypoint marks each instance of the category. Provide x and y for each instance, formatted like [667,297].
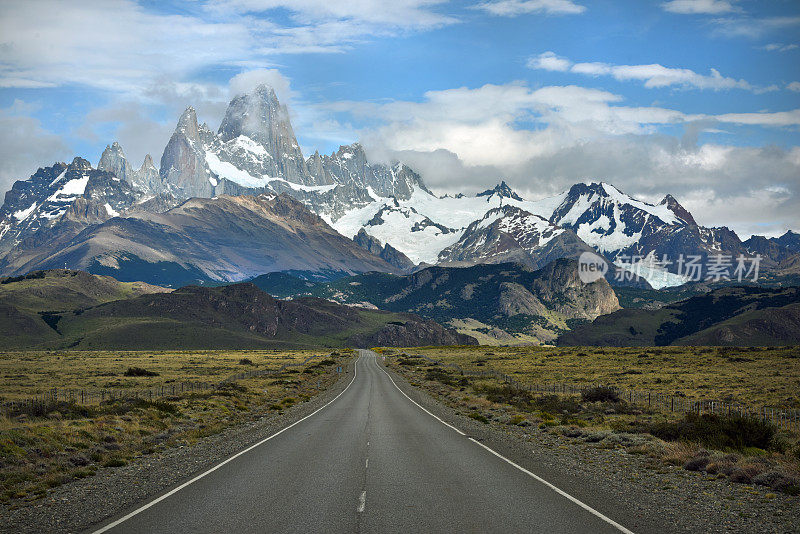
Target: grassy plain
[68,441]
[753,376]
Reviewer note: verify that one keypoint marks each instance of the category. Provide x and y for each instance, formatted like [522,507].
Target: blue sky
[698,98]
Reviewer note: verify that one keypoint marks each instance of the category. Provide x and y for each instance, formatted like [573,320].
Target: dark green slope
[25,299]
[727,316]
[235,316]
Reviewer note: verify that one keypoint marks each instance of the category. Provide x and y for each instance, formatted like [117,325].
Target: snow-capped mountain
[73,196]
[385,208]
[255,151]
[509,233]
[221,239]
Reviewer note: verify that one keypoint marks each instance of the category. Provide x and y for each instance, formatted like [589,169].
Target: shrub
[698,463]
[438,375]
[600,394]
[246,361]
[478,417]
[138,371]
[718,432]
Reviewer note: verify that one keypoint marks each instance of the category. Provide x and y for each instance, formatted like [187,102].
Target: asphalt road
[371,460]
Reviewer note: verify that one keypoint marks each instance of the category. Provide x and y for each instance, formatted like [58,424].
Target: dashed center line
[362,501]
[366,464]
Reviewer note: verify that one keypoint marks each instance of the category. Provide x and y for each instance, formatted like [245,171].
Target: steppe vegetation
[62,441]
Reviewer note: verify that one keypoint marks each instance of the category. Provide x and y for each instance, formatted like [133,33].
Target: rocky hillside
[727,316]
[235,316]
[505,303]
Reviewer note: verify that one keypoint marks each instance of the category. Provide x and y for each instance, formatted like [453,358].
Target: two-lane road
[371,460]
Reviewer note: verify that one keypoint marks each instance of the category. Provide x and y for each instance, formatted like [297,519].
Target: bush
[718,432]
[246,361]
[698,463]
[438,375]
[138,371]
[478,417]
[600,394]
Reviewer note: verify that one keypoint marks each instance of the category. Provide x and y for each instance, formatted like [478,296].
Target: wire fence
[784,419]
[46,402]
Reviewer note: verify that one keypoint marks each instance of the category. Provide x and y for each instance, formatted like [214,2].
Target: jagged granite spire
[261,117]
[183,164]
[113,160]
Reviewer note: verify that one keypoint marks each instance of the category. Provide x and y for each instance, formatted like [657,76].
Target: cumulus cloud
[653,75]
[513,8]
[699,7]
[245,82]
[25,145]
[793,86]
[463,140]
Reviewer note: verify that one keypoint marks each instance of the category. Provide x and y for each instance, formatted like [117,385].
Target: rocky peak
[502,190]
[113,160]
[259,116]
[674,206]
[79,164]
[147,164]
[187,124]
[386,252]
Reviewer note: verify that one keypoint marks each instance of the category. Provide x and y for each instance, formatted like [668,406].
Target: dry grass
[71,441]
[757,376]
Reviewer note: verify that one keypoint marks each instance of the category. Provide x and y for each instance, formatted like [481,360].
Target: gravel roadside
[641,494]
[82,504]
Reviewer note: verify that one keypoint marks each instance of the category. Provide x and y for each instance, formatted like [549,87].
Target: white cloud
[410,14]
[779,118]
[247,81]
[120,46]
[695,7]
[115,45]
[549,61]
[794,86]
[653,76]
[778,47]
[25,145]
[752,27]
[513,8]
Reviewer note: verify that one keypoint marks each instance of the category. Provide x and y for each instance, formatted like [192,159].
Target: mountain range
[230,205]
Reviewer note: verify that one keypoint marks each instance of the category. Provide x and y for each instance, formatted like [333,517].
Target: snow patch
[21,215]
[301,187]
[226,170]
[70,190]
[111,211]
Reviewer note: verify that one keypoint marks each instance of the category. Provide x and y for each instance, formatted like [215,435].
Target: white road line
[366,464]
[248,449]
[532,475]
[420,407]
[362,501]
